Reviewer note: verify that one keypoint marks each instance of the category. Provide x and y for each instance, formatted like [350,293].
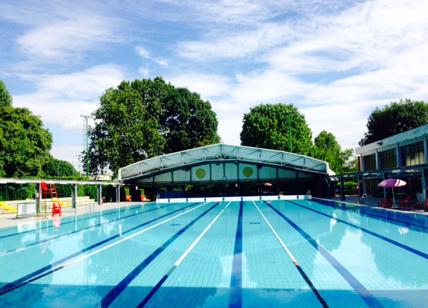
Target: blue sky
[335,60]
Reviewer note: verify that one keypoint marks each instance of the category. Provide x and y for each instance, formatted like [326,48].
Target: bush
[350,187]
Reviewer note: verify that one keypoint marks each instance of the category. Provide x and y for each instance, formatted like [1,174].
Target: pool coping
[10,220]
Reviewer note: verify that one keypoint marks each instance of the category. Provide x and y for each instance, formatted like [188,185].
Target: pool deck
[10,220]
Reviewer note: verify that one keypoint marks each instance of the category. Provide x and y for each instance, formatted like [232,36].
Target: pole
[74,197]
[290,144]
[100,194]
[86,142]
[393,198]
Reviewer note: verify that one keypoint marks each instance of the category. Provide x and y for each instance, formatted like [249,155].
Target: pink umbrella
[392,183]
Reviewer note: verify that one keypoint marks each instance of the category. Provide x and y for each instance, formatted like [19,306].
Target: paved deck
[10,220]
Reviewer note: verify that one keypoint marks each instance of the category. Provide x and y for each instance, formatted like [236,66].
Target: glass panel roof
[222,152]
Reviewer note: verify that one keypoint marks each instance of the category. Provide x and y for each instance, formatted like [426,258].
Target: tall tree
[188,121]
[24,143]
[328,149]
[59,168]
[395,118]
[5,97]
[144,118]
[278,126]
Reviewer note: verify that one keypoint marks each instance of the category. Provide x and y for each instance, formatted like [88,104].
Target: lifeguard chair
[49,191]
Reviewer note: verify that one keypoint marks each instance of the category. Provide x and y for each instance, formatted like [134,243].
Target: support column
[398,155]
[74,196]
[377,160]
[424,188]
[118,193]
[100,194]
[384,189]
[426,150]
[342,188]
[360,184]
[39,198]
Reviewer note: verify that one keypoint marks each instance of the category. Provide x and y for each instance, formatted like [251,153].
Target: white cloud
[66,38]
[145,54]
[208,85]
[70,153]
[60,99]
[237,44]
[60,31]
[363,57]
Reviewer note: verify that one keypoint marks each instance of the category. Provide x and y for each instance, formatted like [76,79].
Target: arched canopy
[223,163]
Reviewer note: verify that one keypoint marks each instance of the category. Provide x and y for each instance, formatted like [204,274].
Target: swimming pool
[216,254]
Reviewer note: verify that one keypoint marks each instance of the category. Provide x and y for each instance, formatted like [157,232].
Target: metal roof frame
[223,152]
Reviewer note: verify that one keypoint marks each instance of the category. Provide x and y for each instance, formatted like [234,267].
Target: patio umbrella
[392,183]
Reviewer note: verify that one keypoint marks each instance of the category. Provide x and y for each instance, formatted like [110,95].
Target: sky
[335,60]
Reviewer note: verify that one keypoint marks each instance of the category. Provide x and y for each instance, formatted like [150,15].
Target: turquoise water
[226,254]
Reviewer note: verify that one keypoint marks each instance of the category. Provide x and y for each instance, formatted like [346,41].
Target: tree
[59,168]
[5,97]
[145,118]
[395,118]
[188,121]
[278,126]
[24,143]
[328,149]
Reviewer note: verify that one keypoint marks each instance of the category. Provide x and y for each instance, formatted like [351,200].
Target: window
[388,159]
[413,154]
[369,162]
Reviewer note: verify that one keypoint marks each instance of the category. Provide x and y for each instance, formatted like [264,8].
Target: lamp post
[290,144]
[86,142]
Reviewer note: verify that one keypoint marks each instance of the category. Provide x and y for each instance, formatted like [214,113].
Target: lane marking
[347,275]
[235,295]
[22,248]
[124,283]
[391,241]
[180,260]
[296,264]
[393,221]
[71,259]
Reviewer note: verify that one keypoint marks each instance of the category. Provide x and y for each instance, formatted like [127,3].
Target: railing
[25,209]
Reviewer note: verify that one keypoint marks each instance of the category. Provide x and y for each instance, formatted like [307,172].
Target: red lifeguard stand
[49,191]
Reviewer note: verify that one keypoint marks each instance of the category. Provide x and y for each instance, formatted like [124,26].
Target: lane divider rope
[347,275]
[73,259]
[180,259]
[22,248]
[293,259]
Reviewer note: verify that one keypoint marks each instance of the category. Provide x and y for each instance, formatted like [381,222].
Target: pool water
[216,254]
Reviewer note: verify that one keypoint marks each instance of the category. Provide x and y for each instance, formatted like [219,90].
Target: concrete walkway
[10,220]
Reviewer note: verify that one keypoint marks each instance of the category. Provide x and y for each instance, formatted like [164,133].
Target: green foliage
[87,190]
[188,121]
[350,187]
[351,164]
[5,97]
[328,149]
[56,168]
[278,126]
[17,191]
[24,143]
[145,118]
[395,118]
